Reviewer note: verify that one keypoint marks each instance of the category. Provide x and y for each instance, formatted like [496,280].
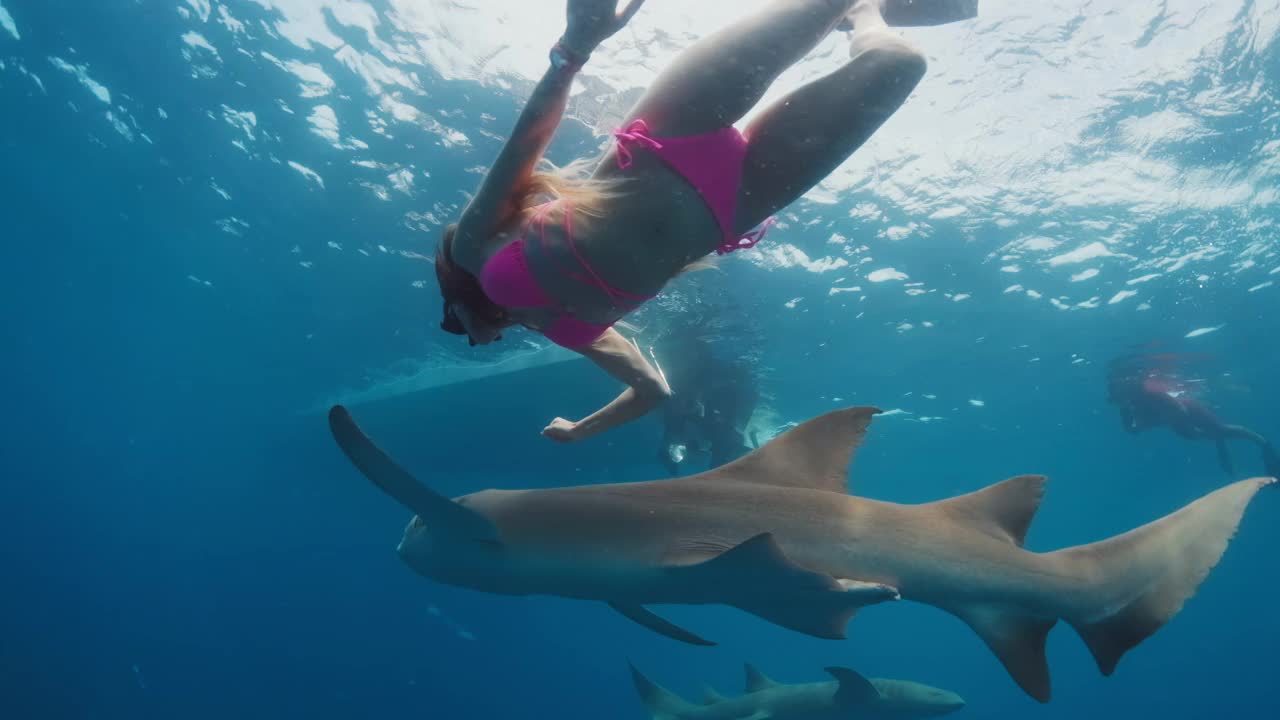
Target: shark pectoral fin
[1018,641]
[710,696]
[854,689]
[646,618]
[756,576]
[441,514]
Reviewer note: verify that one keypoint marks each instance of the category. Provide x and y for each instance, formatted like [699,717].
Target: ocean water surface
[218,219]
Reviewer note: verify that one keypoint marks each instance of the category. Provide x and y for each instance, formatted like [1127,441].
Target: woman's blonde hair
[585,196]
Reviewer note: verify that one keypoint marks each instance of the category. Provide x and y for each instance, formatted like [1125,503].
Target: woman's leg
[1241,433]
[1271,460]
[717,80]
[1224,457]
[800,139]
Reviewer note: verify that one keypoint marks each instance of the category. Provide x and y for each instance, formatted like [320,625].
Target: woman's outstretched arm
[645,389]
[529,139]
[590,22]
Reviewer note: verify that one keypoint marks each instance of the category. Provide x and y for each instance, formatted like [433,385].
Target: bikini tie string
[636,134]
[747,241]
[633,135]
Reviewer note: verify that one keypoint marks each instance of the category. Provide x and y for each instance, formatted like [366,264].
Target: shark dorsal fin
[854,689]
[1004,510]
[710,696]
[756,680]
[441,514]
[660,701]
[813,455]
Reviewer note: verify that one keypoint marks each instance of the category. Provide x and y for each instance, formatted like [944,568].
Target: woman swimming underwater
[1150,392]
[570,257]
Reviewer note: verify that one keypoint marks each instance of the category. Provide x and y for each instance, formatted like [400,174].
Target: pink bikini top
[507,280]
[712,163]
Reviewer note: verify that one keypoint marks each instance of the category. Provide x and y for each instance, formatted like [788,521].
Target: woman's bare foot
[864,15]
[868,27]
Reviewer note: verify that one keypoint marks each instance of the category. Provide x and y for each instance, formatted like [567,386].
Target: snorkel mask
[452,324]
[460,289]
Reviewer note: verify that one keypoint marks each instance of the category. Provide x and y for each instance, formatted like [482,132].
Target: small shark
[774,533]
[849,697]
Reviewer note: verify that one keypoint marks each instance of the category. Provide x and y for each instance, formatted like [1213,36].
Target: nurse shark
[775,533]
[850,696]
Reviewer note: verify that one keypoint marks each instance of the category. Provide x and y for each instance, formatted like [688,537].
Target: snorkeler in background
[1153,391]
[711,404]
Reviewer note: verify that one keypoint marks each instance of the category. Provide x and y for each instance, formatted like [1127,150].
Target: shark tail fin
[661,703]
[1140,580]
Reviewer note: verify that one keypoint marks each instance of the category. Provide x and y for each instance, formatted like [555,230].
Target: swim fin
[1224,457]
[920,13]
[1271,460]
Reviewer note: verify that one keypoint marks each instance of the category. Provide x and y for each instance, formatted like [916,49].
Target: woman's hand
[561,430]
[590,22]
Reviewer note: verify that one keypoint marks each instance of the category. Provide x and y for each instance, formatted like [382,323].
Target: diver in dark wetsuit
[711,404]
[1150,394]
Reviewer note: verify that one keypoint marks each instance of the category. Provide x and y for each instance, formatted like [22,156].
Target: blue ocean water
[216,215]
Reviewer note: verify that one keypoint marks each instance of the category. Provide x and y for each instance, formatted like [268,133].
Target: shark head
[903,698]
[438,551]
[416,547]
